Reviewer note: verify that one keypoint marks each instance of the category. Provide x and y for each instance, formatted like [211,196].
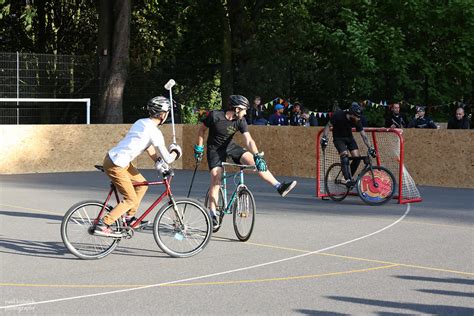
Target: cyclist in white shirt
[144,135]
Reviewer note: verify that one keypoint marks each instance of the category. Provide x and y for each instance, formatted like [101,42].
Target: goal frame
[372,134]
[87,101]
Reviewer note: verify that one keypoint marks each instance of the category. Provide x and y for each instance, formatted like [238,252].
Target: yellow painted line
[322,254]
[72,285]
[31,209]
[299,277]
[400,264]
[312,276]
[364,259]
[440,225]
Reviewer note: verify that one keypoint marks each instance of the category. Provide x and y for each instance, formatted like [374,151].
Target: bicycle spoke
[77,234]
[186,238]
[244,214]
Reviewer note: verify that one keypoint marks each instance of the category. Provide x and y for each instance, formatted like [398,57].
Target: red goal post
[388,142]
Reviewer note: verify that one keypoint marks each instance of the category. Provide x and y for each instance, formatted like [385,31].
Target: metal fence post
[18,87]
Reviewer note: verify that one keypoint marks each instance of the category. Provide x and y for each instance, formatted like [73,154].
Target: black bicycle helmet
[355,109]
[238,100]
[157,105]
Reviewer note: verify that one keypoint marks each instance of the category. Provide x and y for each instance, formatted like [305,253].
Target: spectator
[305,117]
[459,121]
[420,120]
[278,118]
[395,119]
[296,115]
[256,115]
[312,120]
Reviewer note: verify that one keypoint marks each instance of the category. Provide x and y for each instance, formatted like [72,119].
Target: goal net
[390,153]
[45,111]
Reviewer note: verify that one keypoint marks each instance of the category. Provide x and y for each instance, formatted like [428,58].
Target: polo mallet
[192,180]
[169,86]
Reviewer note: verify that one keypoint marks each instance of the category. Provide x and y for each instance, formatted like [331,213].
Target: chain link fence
[28,75]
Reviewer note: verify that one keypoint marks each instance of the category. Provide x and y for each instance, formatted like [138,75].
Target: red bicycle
[182,228]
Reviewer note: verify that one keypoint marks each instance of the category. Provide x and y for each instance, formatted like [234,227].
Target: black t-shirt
[221,130]
[454,123]
[398,120]
[342,126]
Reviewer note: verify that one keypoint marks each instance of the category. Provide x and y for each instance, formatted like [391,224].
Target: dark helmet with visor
[157,105]
[355,109]
[238,101]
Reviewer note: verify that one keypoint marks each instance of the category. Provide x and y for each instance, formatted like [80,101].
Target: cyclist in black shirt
[222,126]
[342,123]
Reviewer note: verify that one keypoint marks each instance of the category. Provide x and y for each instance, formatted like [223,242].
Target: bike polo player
[342,123]
[222,126]
[144,135]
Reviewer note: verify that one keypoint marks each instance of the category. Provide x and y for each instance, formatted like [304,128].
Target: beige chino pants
[123,179]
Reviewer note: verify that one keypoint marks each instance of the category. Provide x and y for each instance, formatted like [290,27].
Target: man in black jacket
[459,121]
[422,121]
[395,119]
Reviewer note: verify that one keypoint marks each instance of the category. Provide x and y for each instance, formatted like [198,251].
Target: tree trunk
[226,65]
[114,44]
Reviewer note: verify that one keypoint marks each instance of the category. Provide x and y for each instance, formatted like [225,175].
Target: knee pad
[345,167]
[345,159]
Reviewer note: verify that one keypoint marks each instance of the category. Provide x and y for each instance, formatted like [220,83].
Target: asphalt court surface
[306,256]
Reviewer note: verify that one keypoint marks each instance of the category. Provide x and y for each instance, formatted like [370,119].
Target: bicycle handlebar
[246,167]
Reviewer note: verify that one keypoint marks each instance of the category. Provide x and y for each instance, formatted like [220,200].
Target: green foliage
[375,116]
[318,52]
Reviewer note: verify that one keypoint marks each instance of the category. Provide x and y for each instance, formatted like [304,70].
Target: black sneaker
[348,183]
[131,220]
[285,188]
[215,222]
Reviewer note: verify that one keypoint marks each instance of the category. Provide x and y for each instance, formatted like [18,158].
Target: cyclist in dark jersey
[222,126]
[342,123]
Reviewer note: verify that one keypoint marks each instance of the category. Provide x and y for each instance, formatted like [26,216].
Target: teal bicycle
[241,203]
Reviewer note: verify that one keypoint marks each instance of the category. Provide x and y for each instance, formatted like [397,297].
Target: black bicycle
[375,184]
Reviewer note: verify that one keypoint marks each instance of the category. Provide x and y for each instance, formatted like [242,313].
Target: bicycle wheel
[219,210]
[184,239]
[77,231]
[378,189]
[243,210]
[335,189]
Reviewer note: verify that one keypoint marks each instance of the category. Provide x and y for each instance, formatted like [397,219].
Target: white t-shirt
[141,135]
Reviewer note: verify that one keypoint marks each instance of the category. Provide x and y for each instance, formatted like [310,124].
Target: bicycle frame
[367,165]
[167,192]
[241,182]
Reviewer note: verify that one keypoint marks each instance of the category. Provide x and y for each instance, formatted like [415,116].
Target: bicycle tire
[178,241]
[220,208]
[77,231]
[336,190]
[243,214]
[381,191]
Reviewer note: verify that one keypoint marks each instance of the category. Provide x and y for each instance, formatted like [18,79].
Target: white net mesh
[389,145]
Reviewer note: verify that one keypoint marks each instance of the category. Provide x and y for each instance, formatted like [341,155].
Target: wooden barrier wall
[433,157]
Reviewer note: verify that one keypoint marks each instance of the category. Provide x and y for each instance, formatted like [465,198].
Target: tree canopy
[318,52]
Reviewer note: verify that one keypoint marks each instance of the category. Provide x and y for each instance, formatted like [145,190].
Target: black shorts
[345,143]
[215,157]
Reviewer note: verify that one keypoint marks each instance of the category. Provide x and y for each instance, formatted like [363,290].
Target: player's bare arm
[201,132]
[250,143]
[364,138]
[326,129]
